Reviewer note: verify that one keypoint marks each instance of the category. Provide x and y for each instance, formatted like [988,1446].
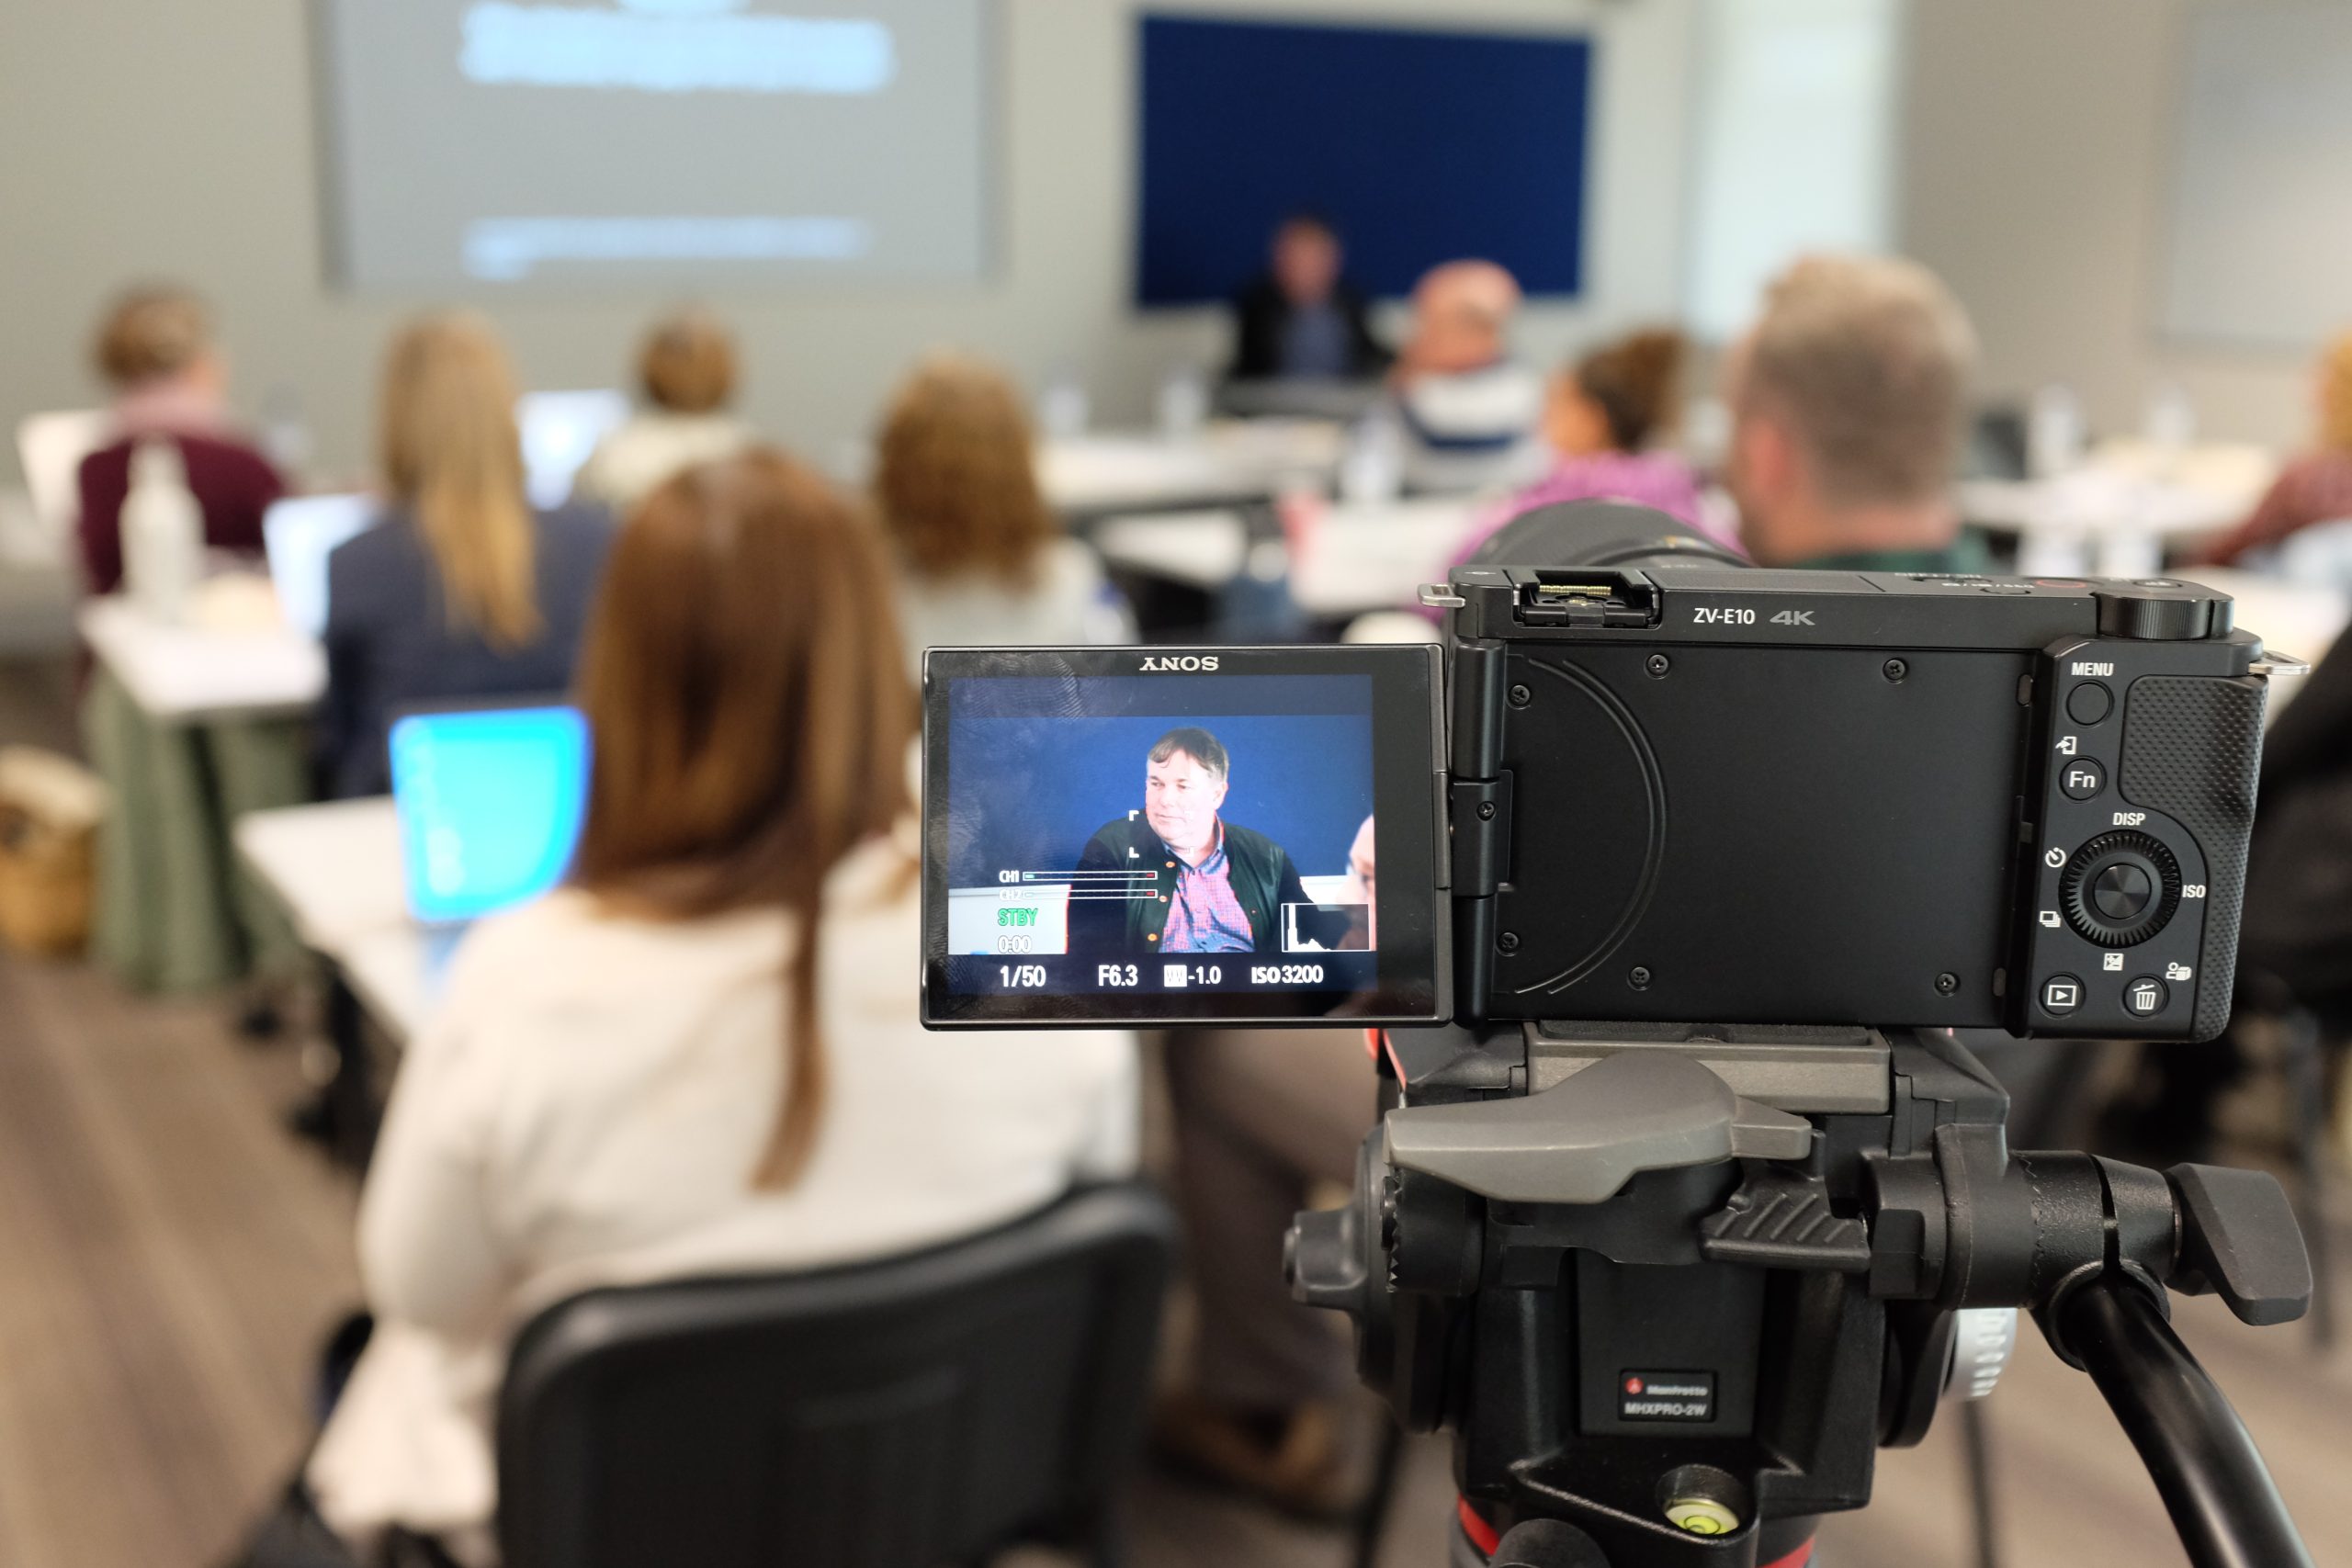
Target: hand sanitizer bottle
[1372,469]
[163,532]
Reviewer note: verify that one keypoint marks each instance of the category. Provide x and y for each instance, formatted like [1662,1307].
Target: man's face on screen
[1180,800]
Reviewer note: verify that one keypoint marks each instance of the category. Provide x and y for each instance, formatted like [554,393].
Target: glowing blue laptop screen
[490,806]
[299,533]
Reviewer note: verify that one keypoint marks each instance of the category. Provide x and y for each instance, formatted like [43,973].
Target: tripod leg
[1107,1540]
[1977,1443]
[1372,1514]
[2306,1090]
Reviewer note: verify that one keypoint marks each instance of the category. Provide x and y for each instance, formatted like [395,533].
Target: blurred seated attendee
[1470,413]
[2295,933]
[1302,320]
[982,560]
[1601,417]
[155,348]
[2316,487]
[702,1057]
[687,372]
[1847,398]
[461,592]
[1260,1117]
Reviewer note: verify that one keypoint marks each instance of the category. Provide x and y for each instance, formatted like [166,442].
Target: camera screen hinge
[1481,813]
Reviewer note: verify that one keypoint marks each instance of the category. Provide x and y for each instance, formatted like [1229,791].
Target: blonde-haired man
[1847,398]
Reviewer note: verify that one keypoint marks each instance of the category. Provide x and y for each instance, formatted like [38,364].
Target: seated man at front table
[1303,320]
[1202,885]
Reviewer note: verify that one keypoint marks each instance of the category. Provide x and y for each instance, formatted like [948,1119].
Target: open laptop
[298,534]
[490,801]
[560,430]
[50,449]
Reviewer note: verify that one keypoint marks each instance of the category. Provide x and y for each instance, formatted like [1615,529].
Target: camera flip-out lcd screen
[1164,834]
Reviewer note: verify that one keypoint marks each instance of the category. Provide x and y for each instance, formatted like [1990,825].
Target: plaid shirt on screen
[1205,916]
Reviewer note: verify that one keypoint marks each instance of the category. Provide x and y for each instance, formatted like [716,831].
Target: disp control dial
[2120,888]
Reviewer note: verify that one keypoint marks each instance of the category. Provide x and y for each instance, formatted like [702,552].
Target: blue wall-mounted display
[1419,145]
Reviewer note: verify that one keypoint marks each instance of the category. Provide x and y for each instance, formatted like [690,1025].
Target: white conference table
[335,869]
[188,674]
[1227,461]
[1375,556]
[2117,514]
[1352,558]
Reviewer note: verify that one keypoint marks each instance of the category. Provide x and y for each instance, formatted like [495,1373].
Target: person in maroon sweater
[2316,487]
[155,349]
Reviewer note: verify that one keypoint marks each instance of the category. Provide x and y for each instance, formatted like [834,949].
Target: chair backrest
[50,448]
[925,1409]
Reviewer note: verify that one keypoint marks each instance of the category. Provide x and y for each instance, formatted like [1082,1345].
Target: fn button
[2083,779]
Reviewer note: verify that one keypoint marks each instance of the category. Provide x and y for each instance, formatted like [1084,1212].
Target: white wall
[156,138]
[2038,163]
[1792,148]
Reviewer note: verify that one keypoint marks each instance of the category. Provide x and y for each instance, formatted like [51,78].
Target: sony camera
[1651,785]
[1688,1195]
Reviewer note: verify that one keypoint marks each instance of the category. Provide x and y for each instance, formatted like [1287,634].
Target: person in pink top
[1600,417]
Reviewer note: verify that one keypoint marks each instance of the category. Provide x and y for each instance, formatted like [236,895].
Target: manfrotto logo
[1174,662]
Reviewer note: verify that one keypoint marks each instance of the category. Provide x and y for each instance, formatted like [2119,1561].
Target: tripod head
[1673,1286]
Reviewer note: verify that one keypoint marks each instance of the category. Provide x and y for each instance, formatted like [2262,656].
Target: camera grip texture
[2192,748]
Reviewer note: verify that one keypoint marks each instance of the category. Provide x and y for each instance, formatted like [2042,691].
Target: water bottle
[2054,441]
[285,438]
[1373,469]
[1184,403]
[1062,409]
[163,532]
[2171,421]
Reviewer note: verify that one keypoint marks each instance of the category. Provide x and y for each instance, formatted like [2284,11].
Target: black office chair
[924,1410]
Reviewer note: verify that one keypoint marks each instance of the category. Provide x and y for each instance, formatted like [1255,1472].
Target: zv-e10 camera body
[1642,782]
[1686,789]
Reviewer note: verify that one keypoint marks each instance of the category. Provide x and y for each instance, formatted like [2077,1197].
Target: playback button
[2061,993]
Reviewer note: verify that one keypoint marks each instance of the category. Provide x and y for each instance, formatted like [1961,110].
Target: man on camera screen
[1215,887]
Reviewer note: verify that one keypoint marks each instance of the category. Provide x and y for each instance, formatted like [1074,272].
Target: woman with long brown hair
[982,557]
[461,590]
[703,1055]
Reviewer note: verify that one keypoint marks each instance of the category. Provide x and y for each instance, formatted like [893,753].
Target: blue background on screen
[1026,794]
[1418,146]
[490,806]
